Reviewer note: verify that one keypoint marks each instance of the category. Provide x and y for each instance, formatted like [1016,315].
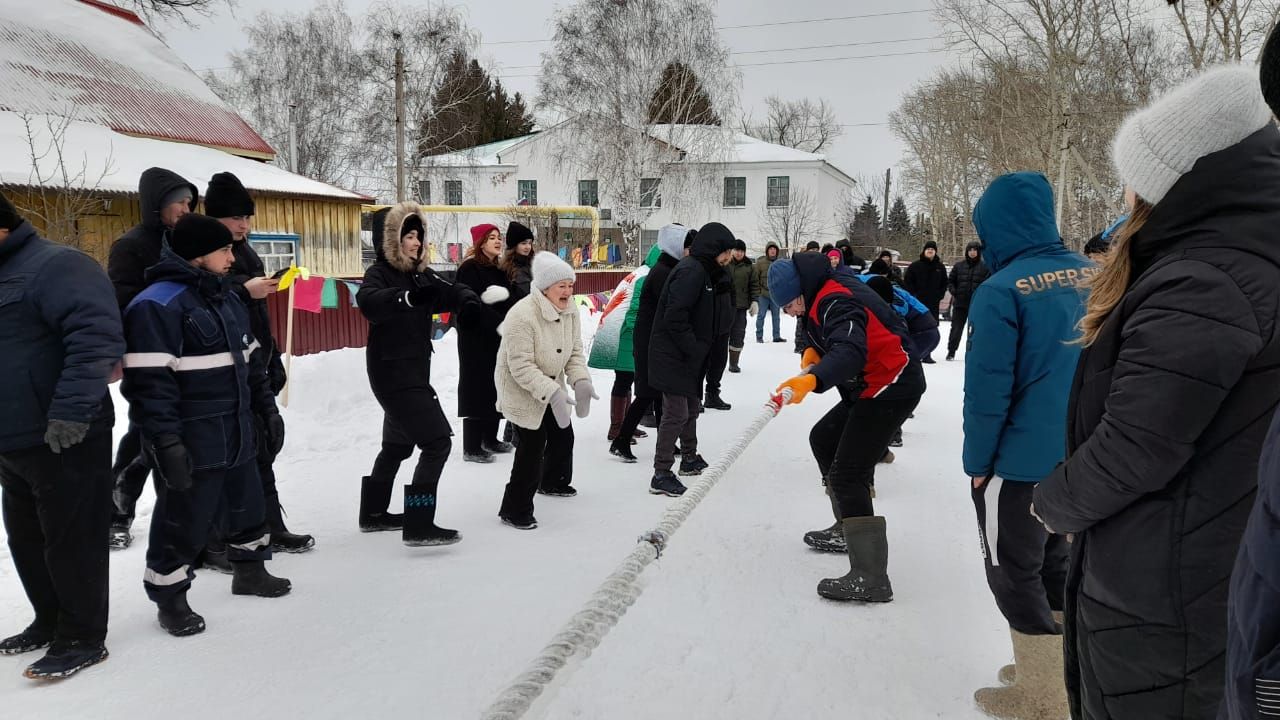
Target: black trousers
[130,473]
[56,513]
[544,458]
[738,333]
[959,319]
[622,381]
[849,440]
[397,446]
[639,406]
[1026,566]
[717,361]
[182,522]
[478,430]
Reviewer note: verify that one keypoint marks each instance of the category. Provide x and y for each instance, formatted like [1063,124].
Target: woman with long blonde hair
[1176,385]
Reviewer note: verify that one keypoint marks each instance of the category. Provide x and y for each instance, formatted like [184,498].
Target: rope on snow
[619,591]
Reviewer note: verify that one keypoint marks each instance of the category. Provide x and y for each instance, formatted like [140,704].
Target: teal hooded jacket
[1021,356]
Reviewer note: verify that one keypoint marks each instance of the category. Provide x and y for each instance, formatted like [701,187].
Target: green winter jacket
[612,346]
[760,272]
[746,287]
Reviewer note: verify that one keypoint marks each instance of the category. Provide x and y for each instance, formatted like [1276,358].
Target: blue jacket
[921,326]
[60,338]
[191,369]
[1021,359]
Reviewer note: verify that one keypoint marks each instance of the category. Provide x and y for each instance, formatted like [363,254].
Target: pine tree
[469,108]
[899,222]
[680,99]
[866,223]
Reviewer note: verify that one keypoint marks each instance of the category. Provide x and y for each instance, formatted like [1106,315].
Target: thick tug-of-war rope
[587,627]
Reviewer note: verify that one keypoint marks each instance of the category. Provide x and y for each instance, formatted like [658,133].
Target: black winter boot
[31,639]
[281,539]
[375,496]
[214,558]
[733,361]
[714,402]
[420,520]
[252,578]
[66,658]
[177,617]
[620,449]
[831,539]
[868,577]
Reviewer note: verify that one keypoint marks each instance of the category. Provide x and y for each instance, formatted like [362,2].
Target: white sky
[863,91]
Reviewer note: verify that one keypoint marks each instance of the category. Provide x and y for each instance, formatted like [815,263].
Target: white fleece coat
[540,346]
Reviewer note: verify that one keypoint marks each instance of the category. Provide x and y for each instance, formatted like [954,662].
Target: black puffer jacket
[650,293]
[478,341]
[1168,413]
[927,280]
[246,267]
[398,356]
[690,315]
[966,276]
[139,248]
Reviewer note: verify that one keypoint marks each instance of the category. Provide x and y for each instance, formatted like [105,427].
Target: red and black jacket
[863,341]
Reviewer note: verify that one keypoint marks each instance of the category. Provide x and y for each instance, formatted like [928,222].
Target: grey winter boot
[1009,673]
[830,539]
[868,577]
[1039,691]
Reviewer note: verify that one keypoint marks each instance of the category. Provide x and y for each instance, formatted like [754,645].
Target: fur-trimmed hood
[389,224]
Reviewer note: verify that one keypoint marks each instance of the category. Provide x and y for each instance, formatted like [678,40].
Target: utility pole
[399,118]
[1062,169]
[884,218]
[293,140]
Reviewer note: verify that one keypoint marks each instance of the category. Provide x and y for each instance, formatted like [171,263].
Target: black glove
[270,435]
[422,298]
[276,376]
[171,462]
[65,434]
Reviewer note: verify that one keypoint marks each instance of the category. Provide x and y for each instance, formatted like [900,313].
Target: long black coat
[966,276]
[246,267]
[689,317]
[650,293]
[398,355]
[1167,416]
[139,248]
[478,341]
[927,280]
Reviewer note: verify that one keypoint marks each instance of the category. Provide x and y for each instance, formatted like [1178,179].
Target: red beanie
[479,231]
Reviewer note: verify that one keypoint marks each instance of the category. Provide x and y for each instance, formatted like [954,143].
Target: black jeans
[738,333]
[397,446]
[959,319]
[56,512]
[848,442]
[1026,566]
[544,458]
[130,473]
[716,362]
[182,521]
[639,406]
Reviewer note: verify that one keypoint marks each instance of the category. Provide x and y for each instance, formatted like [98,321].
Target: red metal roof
[100,64]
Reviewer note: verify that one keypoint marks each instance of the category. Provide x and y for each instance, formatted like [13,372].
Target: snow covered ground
[729,625]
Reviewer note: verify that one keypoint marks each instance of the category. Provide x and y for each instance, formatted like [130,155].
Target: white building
[757,189]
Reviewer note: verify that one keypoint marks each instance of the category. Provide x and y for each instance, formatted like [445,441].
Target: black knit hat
[198,235]
[9,217]
[882,286]
[879,267]
[1271,70]
[812,245]
[226,197]
[517,233]
[740,245]
[931,245]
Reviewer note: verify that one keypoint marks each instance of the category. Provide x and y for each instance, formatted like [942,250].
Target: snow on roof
[488,155]
[81,60]
[744,148]
[100,158]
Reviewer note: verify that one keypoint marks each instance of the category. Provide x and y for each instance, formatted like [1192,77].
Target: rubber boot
[1009,673]
[868,578]
[375,496]
[281,539]
[830,539]
[1038,691]
[617,411]
[420,528]
[177,617]
[251,578]
[734,355]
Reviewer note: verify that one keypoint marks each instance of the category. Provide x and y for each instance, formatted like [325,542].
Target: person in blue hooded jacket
[1018,372]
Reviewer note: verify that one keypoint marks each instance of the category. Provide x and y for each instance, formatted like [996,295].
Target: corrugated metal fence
[345,327]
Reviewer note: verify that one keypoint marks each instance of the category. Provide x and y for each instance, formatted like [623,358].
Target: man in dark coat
[164,197]
[228,202]
[60,340]
[926,279]
[746,288]
[965,278]
[201,398]
[718,359]
[399,295]
[892,271]
[687,323]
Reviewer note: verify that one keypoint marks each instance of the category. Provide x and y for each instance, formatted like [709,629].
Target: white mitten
[494,294]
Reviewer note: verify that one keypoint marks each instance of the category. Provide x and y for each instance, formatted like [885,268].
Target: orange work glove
[809,358]
[800,385]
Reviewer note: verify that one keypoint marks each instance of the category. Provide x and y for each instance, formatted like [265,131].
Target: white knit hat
[1212,112]
[549,270]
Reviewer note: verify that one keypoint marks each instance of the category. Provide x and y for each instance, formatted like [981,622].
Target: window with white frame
[527,192]
[278,252]
[589,192]
[650,196]
[735,192]
[779,191]
[424,192]
[453,192]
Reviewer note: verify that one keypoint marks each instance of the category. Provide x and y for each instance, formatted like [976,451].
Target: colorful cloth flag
[352,289]
[329,294]
[307,294]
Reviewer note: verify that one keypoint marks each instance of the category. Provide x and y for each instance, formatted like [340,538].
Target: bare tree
[181,10]
[599,80]
[794,224]
[60,189]
[804,124]
[1218,31]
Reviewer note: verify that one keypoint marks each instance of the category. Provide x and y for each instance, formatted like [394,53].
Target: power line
[847,57]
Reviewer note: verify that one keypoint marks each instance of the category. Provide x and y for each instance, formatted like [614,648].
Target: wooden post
[288,348]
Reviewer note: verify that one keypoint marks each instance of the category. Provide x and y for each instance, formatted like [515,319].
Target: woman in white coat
[541,347]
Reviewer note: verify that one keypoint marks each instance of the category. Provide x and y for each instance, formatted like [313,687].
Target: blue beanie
[784,282]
